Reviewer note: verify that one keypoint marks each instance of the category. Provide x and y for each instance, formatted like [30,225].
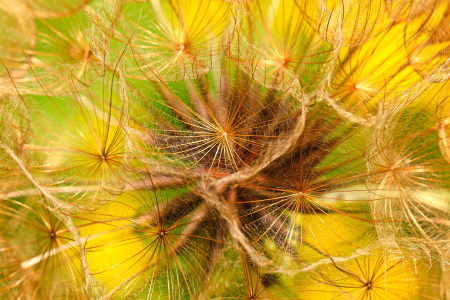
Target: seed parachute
[224,149]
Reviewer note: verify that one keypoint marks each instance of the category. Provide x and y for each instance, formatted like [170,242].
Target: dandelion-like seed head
[217,149]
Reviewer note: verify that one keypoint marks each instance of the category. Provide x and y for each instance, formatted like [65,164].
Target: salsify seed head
[217,149]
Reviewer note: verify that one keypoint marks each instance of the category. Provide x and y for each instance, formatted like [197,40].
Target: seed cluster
[224,149]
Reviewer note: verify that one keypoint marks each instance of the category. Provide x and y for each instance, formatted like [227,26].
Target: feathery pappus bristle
[224,149]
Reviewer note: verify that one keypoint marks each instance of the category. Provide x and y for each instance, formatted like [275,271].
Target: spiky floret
[226,123]
[373,74]
[374,277]
[141,243]
[287,50]
[79,140]
[40,258]
[410,180]
[173,39]
[294,202]
[63,43]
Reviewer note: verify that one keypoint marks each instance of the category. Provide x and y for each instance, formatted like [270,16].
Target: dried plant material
[290,207]
[348,22]
[63,43]
[286,48]
[16,133]
[54,8]
[222,149]
[410,183]
[78,139]
[374,277]
[173,40]
[374,73]
[40,253]
[427,42]
[443,124]
[251,283]
[221,128]
[15,23]
[145,244]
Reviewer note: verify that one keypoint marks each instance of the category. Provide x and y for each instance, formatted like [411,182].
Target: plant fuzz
[224,149]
